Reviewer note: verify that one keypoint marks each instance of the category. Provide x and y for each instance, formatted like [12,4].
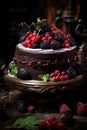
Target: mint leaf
[14,69]
[28,123]
[45,77]
[19,123]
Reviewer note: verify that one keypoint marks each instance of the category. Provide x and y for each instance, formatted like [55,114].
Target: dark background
[13,12]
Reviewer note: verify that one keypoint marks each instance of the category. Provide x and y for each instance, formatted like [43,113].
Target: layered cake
[46,52]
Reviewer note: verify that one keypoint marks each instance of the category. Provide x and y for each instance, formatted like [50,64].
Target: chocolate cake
[44,50]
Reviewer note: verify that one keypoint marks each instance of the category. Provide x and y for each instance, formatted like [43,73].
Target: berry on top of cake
[41,35]
[45,53]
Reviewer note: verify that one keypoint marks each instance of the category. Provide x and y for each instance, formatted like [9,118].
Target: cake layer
[42,61]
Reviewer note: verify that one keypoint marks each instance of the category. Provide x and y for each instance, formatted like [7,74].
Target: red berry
[31,108]
[44,38]
[54,79]
[52,118]
[42,125]
[66,41]
[82,109]
[66,76]
[52,74]
[67,45]
[50,38]
[62,78]
[68,36]
[30,36]
[51,122]
[64,108]
[61,126]
[58,78]
[63,73]
[34,39]
[47,35]
[37,37]
[57,72]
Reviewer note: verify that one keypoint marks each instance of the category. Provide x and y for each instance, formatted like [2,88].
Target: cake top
[41,35]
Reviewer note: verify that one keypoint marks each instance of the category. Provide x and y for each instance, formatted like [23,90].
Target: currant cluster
[51,124]
[31,39]
[46,37]
[59,76]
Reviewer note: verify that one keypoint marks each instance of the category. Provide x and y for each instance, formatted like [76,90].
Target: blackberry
[72,41]
[45,44]
[44,26]
[55,45]
[71,72]
[58,37]
[23,74]
[36,45]
[68,119]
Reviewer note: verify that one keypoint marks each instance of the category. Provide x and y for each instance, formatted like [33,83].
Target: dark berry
[58,37]
[23,74]
[44,26]
[36,45]
[45,44]
[68,119]
[55,44]
[71,41]
[71,72]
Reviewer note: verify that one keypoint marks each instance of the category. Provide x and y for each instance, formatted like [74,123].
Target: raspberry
[31,108]
[82,109]
[57,72]
[51,122]
[42,125]
[64,109]
[60,126]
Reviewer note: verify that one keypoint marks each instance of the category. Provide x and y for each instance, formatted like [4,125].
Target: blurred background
[13,12]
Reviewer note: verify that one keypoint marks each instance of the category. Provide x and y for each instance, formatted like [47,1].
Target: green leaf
[45,77]
[28,123]
[14,69]
[19,123]
[31,122]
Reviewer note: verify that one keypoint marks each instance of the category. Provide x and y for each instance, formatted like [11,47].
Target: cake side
[42,61]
